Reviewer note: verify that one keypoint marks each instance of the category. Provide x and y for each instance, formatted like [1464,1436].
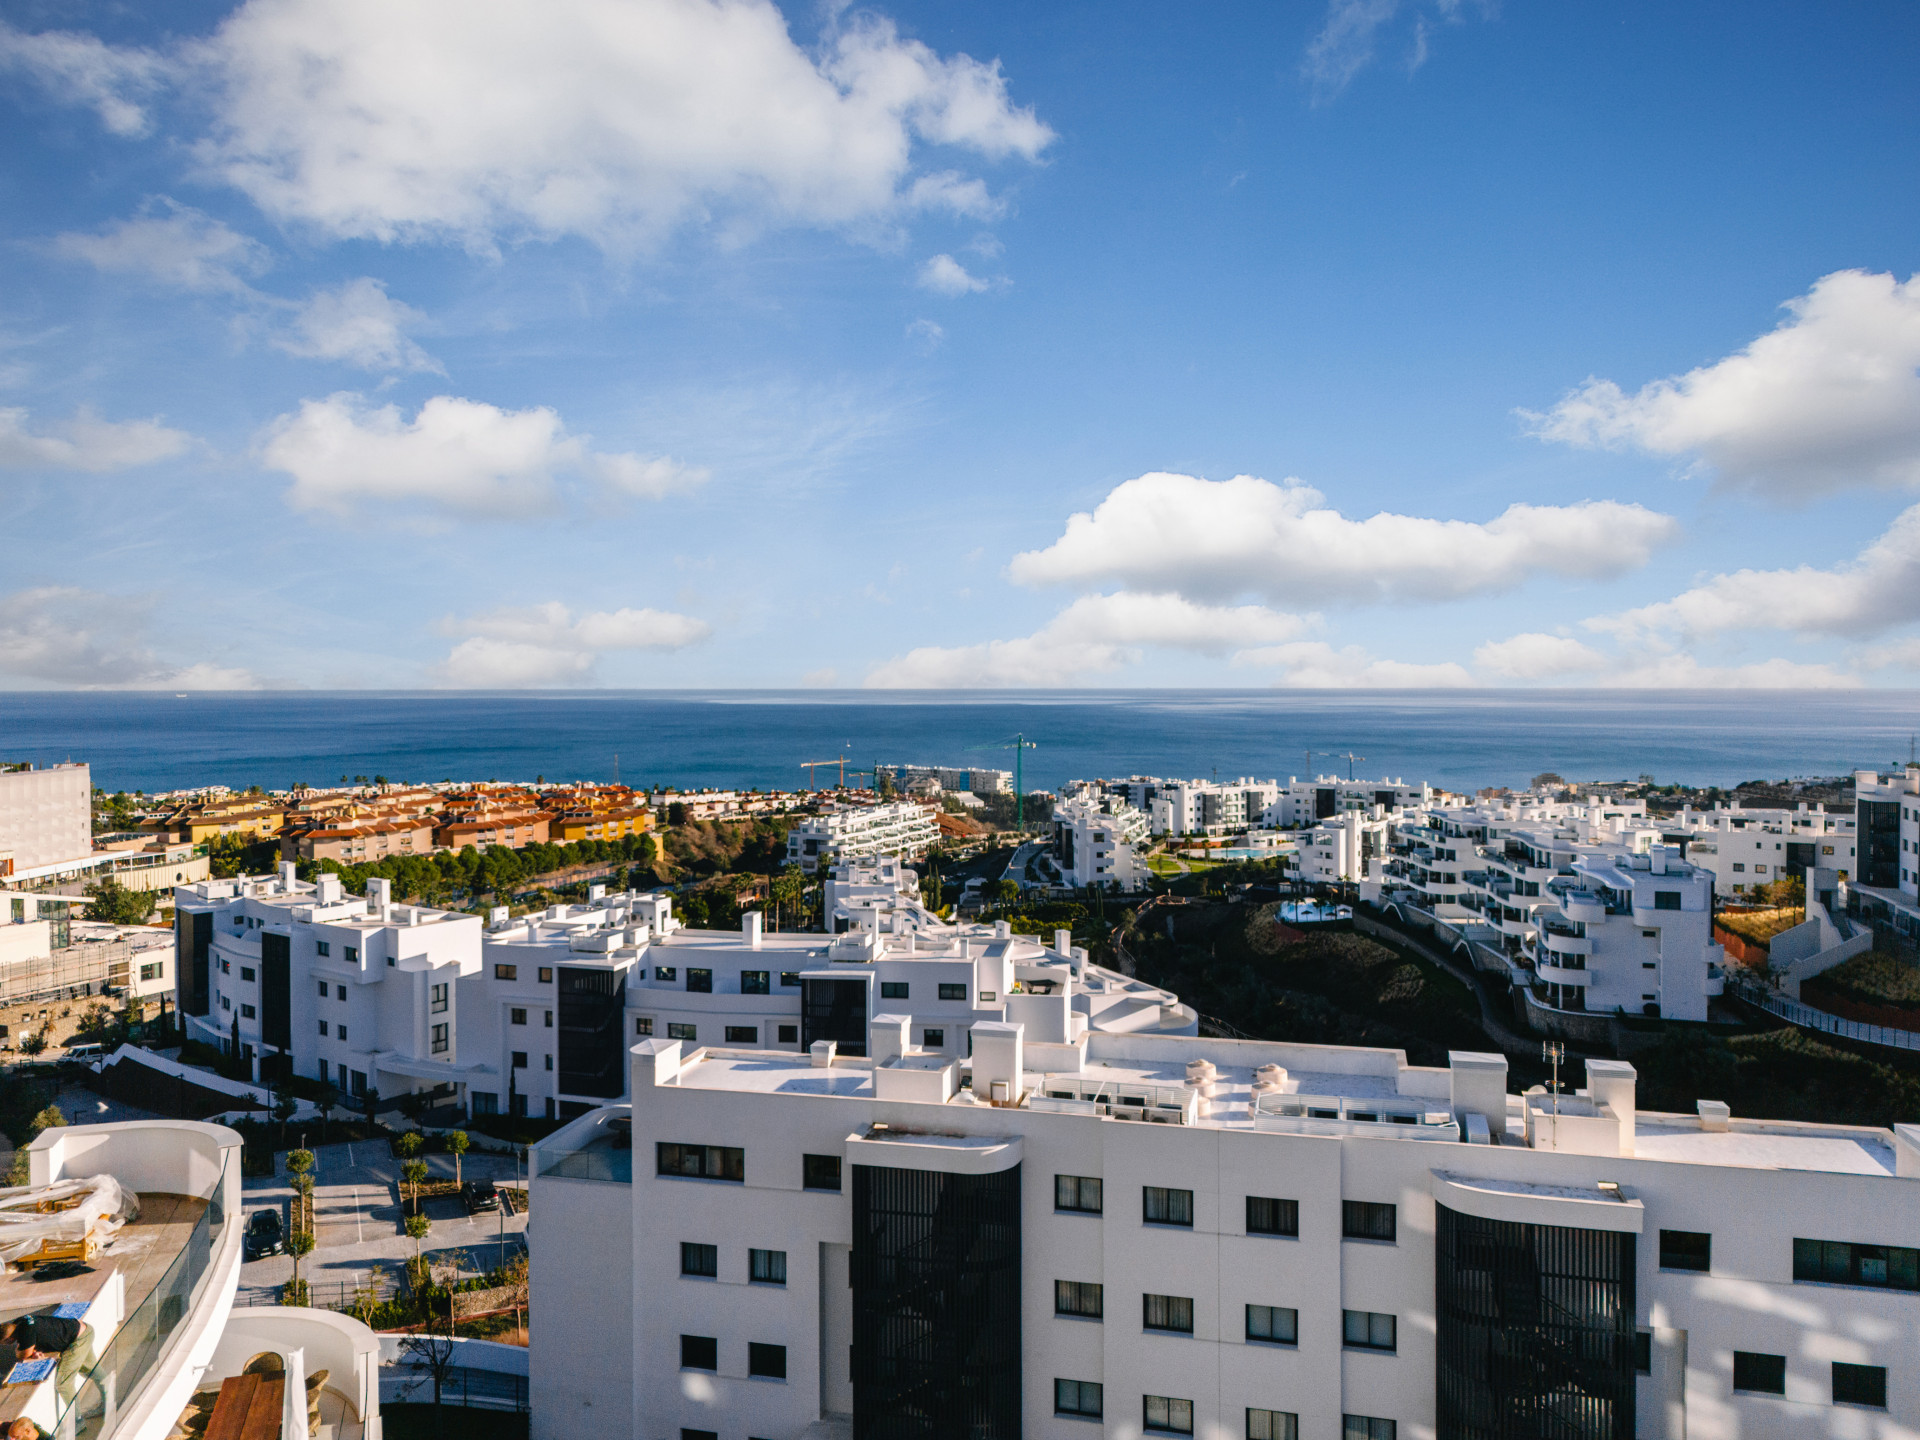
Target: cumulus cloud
[1828,400]
[945,275]
[1536,656]
[481,120]
[86,443]
[1249,536]
[1097,634]
[81,69]
[357,323]
[1875,591]
[460,457]
[1316,665]
[174,245]
[62,637]
[546,645]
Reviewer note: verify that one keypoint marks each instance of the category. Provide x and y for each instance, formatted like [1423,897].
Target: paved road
[357,1217]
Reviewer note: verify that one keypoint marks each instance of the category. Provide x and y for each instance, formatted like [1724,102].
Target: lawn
[1874,979]
[1759,926]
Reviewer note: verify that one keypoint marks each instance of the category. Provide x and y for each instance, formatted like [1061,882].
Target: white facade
[45,816]
[899,828]
[1094,844]
[1306,802]
[726,1254]
[1349,849]
[1748,849]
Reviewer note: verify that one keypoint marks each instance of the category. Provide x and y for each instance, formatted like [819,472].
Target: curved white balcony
[1566,944]
[1562,975]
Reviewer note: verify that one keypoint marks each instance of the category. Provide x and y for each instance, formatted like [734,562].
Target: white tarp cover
[104,1206]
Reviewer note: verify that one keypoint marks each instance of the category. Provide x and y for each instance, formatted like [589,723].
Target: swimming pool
[1311,912]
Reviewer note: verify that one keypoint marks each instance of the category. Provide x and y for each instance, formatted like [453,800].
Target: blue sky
[679,343]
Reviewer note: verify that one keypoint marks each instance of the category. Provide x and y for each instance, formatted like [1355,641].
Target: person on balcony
[38,1337]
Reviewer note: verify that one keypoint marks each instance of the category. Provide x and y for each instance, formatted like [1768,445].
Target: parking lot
[357,1220]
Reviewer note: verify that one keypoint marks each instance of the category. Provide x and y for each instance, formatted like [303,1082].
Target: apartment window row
[1863,1385]
[341,988]
[1835,1262]
[702,1352]
[1266,1214]
[735,1034]
[700,1162]
[702,1262]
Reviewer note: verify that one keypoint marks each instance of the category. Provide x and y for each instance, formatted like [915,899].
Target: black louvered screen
[936,1305]
[1536,1331]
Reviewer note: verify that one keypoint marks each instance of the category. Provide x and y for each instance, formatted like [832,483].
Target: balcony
[1563,974]
[597,1146]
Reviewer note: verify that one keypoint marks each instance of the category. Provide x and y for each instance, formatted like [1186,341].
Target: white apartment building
[1306,802]
[46,816]
[1205,807]
[953,780]
[1750,848]
[1094,844]
[900,827]
[158,1296]
[1138,1237]
[1349,849]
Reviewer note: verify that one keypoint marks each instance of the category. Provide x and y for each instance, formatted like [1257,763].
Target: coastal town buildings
[1128,1235]
[1095,843]
[950,779]
[902,827]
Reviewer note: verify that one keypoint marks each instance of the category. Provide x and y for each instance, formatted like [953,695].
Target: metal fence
[463,1385]
[1805,1016]
[327,1294]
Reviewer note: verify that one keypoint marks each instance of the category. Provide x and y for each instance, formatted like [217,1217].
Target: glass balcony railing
[144,1337]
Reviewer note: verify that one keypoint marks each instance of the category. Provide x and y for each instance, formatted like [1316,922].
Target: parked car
[480,1195]
[265,1235]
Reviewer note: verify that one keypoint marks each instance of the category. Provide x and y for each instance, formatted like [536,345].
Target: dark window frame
[683,1160]
[814,1173]
[1081,1399]
[1759,1374]
[1370,1220]
[1170,1201]
[699,1261]
[1370,1330]
[766,1361]
[1078,1189]
[1166,1415]
[766,1267]
[1268,1215]
[1864,1385]
[699,1352]
[1264,1320]
[1080,1299]
[1678,1251]
[1167,1314]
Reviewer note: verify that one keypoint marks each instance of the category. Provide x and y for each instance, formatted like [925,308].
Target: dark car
[265,1235]
[480,1195]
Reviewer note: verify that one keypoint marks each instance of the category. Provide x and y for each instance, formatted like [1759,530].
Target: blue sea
[1458,739]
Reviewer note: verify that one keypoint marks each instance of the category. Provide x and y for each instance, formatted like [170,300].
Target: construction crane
[1347,756]
[1019,744]
[811,766]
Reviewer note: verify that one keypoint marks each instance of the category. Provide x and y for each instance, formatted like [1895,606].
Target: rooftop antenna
[1553,1052]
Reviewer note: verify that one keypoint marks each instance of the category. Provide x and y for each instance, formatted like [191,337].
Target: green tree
[676,813]
[300,1162]
[299,1243]
[408,1144]
[457,1146]
[786,890]
[417,1227]
[284,1107]
[110,901]
[414,1174]
[48,1119]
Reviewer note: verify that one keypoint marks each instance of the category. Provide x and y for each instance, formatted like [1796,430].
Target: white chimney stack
[997,1061]
[750,927]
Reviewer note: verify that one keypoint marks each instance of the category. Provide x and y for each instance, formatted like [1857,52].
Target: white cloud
[612,119]
[1828,400]
[945,275]
[172,244]
[1348,39]
[1536,656]
[83,70]
[1316,665]
[545,645]
[86,442]
[358,323]
[1248,536]
[458,456]
[1097,634]
[926,335]
[67,638]
[1876,590]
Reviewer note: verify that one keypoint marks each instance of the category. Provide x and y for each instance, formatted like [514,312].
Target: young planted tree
[457,1145]
[414,1174]
[299,1243]
[417,1227]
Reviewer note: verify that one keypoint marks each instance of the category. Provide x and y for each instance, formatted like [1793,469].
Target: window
[1272,1217]
[516,1016]
[754,982]
[1077,1192]
[1365,1427]
[1685,1250]
[225,968]
[1643,1351]
[953,992]
[246,973]
[152,972]
[1079,1297]
[440,1040]
[702,1261]
[767,1267]
[682,1032]
[322,947]
[643,1025]
[1892,1267]
[549,1018]
[1167,1312]
[820,1172]
[686,1434]
[549,1062]
[1860,1385]
[699,1352]
[1739,867]
[1275,1324]
[1762,1374]
[438,999]
[790,977]
[1272,1425]
[893,990]
[789,1034]
[987,997]
[1165,1413]
[343,991]
[933,1039]
[519,1059]
[1669,899]
[1757,869]
[1365,1220]
[506,972]
[323,1072]
[743,1035]
[352,955]
[324,992]
[341,1031]
[323,1027]
[1161,1206]
[485,1102]
[246,1012]
[1084,1398]
[1365,1330]
[546,975]
[769,1362]
[700,1162]
[666,972]
[700,981]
